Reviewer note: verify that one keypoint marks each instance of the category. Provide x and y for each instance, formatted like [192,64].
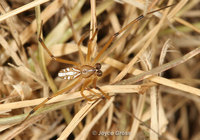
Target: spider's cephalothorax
[84,71]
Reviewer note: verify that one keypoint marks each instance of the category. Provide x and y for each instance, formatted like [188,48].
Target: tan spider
[88,69]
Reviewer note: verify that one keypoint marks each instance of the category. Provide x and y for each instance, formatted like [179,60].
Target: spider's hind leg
[84,86]
[101,91]
[84,96]
[95,95]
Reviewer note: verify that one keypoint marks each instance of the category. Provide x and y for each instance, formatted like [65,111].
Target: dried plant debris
[150,83]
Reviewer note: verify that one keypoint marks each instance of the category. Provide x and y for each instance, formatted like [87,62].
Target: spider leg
[50,97]
[87,98]
[75,36]
[81,57]
[92,91]
[89,52]
[102,92]
[113,37]
[84,86]
[123,29]
[51,55]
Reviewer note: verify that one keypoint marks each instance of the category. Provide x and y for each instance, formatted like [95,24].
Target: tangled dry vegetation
[151,70]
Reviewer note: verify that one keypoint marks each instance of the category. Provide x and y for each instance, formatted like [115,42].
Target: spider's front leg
[50,54]
[85,87]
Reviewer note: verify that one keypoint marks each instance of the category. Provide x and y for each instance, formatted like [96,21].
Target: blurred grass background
[162,106]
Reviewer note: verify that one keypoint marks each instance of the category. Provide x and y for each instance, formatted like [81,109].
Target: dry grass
[151,71]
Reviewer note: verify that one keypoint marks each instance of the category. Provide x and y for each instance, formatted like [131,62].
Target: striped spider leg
[88,70]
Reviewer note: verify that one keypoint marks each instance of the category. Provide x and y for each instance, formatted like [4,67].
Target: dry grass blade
[72,96]
[164,52]
[18,129]
[159,80]
[153,88]
[22,9]
[93,24]
[164,68]
[45,16]
[77,118]
[133,61]
[187,24]
[12,53]
[138,113]
[87,129]
[14,32]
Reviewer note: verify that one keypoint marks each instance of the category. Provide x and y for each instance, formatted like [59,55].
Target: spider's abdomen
[69,73]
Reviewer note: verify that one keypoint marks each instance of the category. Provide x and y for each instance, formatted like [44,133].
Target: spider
[88,69]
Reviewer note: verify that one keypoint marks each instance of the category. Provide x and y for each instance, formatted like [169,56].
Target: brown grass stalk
[150,70]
